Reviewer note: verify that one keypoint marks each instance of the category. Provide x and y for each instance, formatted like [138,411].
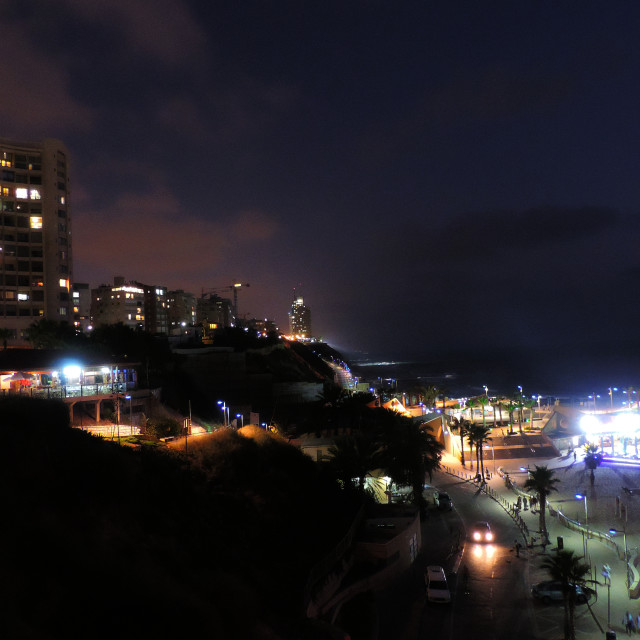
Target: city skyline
[435,176]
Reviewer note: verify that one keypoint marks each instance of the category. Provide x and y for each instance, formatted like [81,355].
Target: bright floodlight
[626,423]
[72,371]
[590,424]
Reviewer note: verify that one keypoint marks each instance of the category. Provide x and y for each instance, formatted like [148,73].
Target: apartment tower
[35,235]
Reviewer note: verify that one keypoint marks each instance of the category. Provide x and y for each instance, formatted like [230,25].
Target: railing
[72,391]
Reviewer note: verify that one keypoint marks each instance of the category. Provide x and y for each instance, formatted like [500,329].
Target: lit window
[64,283]
[22,192]
[61,199]
[76,294]
[35,194]
[76,309]
[5,192]
[62,311]
[23,296]
[129,316]
[36,222]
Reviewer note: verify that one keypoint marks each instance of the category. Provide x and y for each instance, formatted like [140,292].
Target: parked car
[436,583]
[481,532]
[444,501]
[551,591]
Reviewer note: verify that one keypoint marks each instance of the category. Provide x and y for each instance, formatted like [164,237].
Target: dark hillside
[102,540]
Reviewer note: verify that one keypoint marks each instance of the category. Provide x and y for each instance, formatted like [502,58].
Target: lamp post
[486,391]
[130,399]
[611,390]
[239,415]
[613,532]
[580,496]
[225,413]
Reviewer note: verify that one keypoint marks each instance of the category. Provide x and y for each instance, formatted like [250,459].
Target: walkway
[602,503]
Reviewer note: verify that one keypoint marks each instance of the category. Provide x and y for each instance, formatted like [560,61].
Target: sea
[572,375]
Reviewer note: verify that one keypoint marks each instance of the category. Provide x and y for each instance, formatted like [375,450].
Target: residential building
[181,310]
[81,295]
[35,235]
[214,312]
[262,327]
[136,305]
[299,320]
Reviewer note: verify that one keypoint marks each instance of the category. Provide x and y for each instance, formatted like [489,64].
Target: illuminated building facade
[300,319]
[81,295]
[181,309]
[135,305]
[35,235]
[213,313]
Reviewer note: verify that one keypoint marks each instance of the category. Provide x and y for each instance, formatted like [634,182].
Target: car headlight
[489,536]
[476,535]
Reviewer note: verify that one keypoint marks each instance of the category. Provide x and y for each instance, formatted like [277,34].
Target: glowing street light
[579,496]
[611,390]
[225,412]
[613,532]
[239,415]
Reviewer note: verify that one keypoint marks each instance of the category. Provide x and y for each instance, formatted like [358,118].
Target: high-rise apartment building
[136,305]
[299,319]
[35,235]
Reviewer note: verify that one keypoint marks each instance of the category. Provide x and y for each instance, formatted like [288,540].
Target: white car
[436,582]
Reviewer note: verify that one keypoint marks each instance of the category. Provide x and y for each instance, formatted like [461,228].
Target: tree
[519,402]
[472,403]
[592,459]
[5,334]
[480,435]
[511,407]
[483,401]
[542,481]
[460,426]
[409,452]
[568,569]
[531,405]
[497,404]
[49,334]
[353,457]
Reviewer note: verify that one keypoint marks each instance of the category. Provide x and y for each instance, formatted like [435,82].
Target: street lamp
[579,496]
[611,390]
[130,399]
[225,412]
[486,391]
[613,532]
[239,415]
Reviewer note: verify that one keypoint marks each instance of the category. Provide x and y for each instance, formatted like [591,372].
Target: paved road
[499,605]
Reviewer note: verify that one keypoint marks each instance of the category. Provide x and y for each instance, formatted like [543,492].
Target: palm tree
[511,407]
[480,435]
[460,426]
[409,452]
[353,456]
[497,404]
[531,405]
[483,401]
[542,481]
[568,569]
[472,403]
[592,459]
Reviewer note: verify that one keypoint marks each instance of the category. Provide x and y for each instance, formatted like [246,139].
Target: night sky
[428,175]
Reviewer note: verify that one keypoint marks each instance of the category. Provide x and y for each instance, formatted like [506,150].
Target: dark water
[574,373]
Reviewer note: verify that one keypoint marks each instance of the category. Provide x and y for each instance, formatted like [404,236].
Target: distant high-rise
[300,319]
[35,235]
